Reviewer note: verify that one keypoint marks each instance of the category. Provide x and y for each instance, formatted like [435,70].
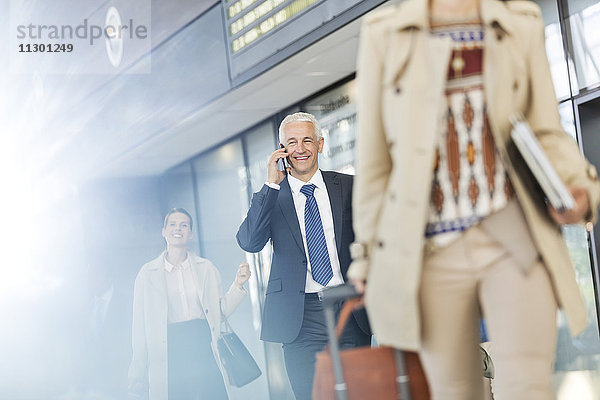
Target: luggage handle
[349,306]
[329,297]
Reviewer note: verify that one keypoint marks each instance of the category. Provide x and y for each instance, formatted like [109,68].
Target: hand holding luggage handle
[331,296]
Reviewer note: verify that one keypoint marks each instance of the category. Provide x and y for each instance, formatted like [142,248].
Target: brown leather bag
[369,372]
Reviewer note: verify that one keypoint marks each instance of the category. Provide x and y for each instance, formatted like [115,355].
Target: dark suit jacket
[272,215]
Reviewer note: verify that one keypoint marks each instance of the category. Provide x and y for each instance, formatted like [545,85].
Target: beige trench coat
[149,329]
[401,80]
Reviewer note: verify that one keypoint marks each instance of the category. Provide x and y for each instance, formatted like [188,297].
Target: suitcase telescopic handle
[329,297]
[332,295]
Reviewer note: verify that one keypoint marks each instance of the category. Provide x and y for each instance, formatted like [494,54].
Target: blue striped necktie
[315,238]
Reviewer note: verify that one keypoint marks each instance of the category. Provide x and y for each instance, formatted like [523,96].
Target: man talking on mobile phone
[307,215]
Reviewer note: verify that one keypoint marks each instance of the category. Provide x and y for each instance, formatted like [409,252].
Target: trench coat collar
[160,261]
[415,14]
[156,270]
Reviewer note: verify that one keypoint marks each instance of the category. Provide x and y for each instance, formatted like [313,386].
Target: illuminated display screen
[253,15]
[241,5]
[262,16]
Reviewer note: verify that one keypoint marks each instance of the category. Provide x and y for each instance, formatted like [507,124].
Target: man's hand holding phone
[274,175]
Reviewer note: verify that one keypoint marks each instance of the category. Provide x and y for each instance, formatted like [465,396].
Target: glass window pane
[567,119]
[260,143]
[554,49]
[221,200]
[584,41]
[336,112]
[556,58]
[577,367]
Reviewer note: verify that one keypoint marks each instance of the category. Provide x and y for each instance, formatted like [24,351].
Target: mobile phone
[283,163]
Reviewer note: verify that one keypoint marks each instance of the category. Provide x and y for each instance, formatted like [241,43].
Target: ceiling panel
[319,66]
[83,126]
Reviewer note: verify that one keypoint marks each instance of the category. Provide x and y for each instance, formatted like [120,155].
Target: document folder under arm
[532,153]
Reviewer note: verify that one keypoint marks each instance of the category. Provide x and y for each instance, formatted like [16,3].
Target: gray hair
[300,117]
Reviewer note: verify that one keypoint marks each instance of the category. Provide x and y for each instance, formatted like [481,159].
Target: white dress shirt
[184,304]
[322,198]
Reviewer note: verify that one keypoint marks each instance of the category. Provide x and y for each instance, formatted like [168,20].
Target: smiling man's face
[303,148]
[177,231]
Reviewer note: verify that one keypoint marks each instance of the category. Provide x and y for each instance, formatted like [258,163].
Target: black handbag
[240,366]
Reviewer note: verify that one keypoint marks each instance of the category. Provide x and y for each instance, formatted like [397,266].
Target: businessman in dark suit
[307,215]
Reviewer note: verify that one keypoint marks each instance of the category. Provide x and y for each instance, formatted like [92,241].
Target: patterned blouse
[469,179]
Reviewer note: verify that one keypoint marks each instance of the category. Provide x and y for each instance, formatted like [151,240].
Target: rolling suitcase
[363,373]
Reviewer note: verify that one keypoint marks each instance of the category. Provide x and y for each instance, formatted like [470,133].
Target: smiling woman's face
[177,231]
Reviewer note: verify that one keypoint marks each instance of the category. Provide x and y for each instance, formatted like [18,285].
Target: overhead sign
[249,20]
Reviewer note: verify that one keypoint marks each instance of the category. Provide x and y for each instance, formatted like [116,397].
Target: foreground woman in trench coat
[177,320]
[446,226]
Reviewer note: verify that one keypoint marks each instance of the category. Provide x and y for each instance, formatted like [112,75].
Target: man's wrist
[273,185]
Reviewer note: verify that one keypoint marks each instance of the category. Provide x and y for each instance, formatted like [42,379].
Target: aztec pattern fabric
[469,180]
[320,264]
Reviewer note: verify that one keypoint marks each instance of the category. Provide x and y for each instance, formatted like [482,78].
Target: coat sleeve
[139,362]
[544,119]
[234,296]
[255,231]
[373,160]
[232,299]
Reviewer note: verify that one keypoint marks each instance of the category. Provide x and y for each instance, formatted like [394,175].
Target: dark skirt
[193,371]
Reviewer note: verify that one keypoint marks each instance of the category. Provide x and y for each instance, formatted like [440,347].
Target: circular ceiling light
[114,37]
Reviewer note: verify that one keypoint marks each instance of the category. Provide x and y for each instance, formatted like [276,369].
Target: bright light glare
[576,385]
[344,125]
[28,192]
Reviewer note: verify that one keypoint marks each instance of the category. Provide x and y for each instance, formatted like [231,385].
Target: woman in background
[177,312]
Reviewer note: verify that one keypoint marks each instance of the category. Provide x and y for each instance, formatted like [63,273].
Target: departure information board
[249,20]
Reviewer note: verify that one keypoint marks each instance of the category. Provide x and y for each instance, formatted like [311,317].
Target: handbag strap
[224,321]
[347,309]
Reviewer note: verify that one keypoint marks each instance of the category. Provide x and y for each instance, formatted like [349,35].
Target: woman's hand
[243,274]
[577,214]
[359,285]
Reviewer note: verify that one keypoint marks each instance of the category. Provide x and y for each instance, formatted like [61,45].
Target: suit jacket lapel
[334,190]
[289,211]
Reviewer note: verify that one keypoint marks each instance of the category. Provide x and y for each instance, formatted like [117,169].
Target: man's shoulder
[337,175]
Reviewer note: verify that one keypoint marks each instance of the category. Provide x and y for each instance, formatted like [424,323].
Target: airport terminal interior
[101,141]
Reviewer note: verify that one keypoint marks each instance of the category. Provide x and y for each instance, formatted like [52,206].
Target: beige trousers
[473,276]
